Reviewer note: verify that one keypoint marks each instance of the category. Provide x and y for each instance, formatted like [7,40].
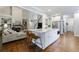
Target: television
[39,26]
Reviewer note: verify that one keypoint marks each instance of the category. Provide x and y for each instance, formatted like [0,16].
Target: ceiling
[54,10]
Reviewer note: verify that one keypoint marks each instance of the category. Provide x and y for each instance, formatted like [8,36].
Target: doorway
[70,24]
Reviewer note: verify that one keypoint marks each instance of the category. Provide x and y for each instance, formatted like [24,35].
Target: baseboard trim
[76,35]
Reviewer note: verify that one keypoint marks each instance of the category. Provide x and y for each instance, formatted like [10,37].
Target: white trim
[37,9]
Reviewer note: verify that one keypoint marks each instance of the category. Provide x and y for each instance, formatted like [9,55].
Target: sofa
[11,35]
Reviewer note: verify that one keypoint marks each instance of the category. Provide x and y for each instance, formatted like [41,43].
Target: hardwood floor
[66,43]
[19,46]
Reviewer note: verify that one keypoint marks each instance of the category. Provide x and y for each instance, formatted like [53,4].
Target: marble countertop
[42,30]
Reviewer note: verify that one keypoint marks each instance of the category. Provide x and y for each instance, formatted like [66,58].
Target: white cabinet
[50,37]
[47,38]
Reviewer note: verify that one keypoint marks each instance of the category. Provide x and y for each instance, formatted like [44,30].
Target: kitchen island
[47,37]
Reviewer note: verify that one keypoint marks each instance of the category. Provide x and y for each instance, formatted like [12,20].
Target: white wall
[31,17]
[76,24]
[45,21]
[65,17]
[56,21]
[70,20]
[25,14]
[56,18]
[5,10]
[70,24]
[17,14]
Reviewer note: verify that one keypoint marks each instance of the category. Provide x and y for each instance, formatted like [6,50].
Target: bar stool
[30,37]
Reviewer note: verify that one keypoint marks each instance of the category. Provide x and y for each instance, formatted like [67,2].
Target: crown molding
[32,9]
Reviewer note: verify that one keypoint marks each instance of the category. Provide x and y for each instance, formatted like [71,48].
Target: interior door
[69,24]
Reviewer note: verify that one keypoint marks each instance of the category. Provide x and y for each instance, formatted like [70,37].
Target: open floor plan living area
[39,28]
